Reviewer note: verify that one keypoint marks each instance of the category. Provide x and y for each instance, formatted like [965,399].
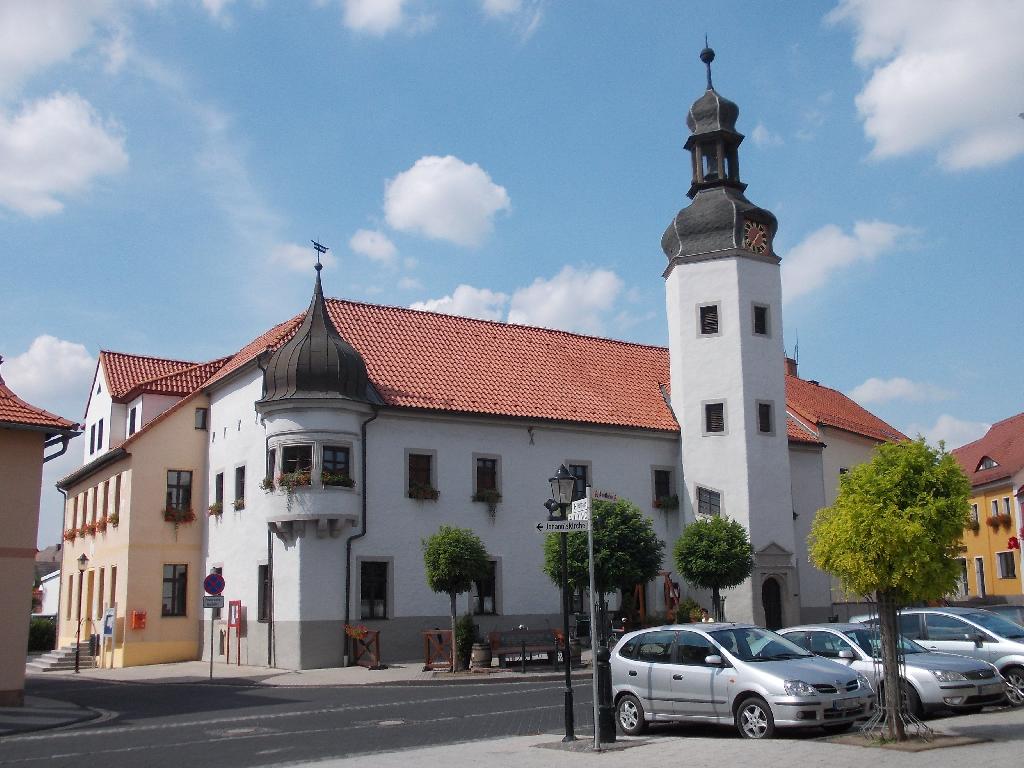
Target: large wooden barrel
[480,655]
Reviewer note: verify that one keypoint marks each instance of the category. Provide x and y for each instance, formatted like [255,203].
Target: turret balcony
[300,504]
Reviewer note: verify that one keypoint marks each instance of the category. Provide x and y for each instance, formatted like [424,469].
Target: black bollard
[605,712]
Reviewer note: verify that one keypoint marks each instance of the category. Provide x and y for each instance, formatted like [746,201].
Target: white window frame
[696,502]
[1000,571]
[717,304]
[757,417]
[754,306]
[704,417]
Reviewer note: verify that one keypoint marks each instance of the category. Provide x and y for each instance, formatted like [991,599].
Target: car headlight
[800,688]
[865,684]
[947,675]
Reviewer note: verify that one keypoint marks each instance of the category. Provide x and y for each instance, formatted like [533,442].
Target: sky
[164,165]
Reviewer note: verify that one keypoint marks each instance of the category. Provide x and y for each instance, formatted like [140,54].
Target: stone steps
[62,659]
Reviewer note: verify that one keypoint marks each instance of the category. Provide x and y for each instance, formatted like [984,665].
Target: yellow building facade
[990,563]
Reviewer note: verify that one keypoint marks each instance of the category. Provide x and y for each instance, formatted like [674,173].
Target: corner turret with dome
[720,218]
[316,362]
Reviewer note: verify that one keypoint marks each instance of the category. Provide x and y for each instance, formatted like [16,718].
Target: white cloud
[573,300]
[445,199]
[374,245]
[945,76]
[299,258]
[379,17]
[52,148]
[811,263]
[876,390]
[409,284]
[216,8]
[468,301]
[35,34]
[53,374]
[955,432]
[524,16]
[763,137]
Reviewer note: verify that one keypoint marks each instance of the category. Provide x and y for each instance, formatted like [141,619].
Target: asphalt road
[230,724]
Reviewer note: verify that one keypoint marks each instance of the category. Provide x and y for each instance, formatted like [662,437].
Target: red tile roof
[821,406]
[14,410]
[180,383]
[1003,443]
[125,372]
[433,361]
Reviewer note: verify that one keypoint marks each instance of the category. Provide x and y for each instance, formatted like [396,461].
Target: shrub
[42,635]
[465,636]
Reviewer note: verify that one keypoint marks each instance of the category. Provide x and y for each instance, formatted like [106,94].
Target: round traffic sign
[213,584]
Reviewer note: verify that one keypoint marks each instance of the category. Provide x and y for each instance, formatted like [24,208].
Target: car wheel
[754,719]
[1015,685]
[837,727]
[630,714]
[911,701]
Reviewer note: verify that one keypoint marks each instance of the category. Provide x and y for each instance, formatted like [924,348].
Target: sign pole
[593,619]
[211,643]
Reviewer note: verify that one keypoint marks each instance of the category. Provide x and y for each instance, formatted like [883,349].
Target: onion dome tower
[316,362]
[724,300]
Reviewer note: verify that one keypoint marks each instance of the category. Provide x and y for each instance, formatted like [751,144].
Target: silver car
[732,674]
[930,681]
[969,632]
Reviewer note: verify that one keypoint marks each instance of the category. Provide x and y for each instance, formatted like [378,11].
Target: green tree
[893,533]
[627,552]
[714,554]
[454,558]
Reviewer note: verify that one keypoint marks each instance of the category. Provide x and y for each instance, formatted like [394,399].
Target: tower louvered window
[709,320]
[714,417]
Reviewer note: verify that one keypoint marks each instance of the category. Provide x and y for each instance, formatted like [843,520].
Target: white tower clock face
[755,237]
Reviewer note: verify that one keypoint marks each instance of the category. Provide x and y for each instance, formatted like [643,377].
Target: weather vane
[319,250]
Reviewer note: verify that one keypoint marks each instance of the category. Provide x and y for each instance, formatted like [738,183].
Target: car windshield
[997,625]
[870,641]
[756,644]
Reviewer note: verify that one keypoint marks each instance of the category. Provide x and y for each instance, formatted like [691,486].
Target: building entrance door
[771,601]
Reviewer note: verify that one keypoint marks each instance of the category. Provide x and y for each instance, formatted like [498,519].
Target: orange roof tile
[1003,443]
[181,383]
[14,410]
[272,339]
[823,406]
[125,372]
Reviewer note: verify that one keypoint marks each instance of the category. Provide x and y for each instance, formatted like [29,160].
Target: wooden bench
[515,642]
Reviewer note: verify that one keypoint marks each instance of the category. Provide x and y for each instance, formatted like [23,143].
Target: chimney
[791,367]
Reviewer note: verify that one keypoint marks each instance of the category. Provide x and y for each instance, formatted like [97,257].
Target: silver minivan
[735,674]
[929,680]
[969,632]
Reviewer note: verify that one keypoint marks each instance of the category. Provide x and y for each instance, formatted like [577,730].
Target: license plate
[845,704]
[987,690]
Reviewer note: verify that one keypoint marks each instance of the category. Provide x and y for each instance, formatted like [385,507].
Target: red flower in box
[1013,543]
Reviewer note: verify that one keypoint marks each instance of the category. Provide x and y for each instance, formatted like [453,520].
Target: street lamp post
[562,485]
[83,563]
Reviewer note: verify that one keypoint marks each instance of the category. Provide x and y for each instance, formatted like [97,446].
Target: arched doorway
[771,601]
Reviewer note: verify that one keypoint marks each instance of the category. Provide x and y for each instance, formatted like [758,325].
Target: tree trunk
[716,603]
[888,625]
[455,651]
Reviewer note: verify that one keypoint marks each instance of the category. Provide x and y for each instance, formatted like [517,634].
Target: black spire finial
[319,249]
[707,56]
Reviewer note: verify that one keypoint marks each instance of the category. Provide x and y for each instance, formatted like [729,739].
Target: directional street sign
[561,526]
[213,601]
[214,584]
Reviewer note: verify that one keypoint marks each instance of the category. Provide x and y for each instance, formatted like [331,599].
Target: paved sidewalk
[41,714]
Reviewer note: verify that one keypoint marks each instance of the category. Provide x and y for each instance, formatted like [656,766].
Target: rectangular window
[239,487]
[70,598]
[104,500]
[131,421]
[179,489]
[662,483]
[263,596]
[761,324]
[1006,564]
[484,591]
[714,418]
[373,590]
[113,585]
[765,423]
[420,466]
[297,458]
[486,474]
[582,474]
[709,502]
[117,495]
[99,592]
[92,439]
[974,513]
[99,435]
[708,319]
[202,417]
[337,467]
[271,462]
[995,507]
[175,590]
[1006,505]
[74,512]
[218,488]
